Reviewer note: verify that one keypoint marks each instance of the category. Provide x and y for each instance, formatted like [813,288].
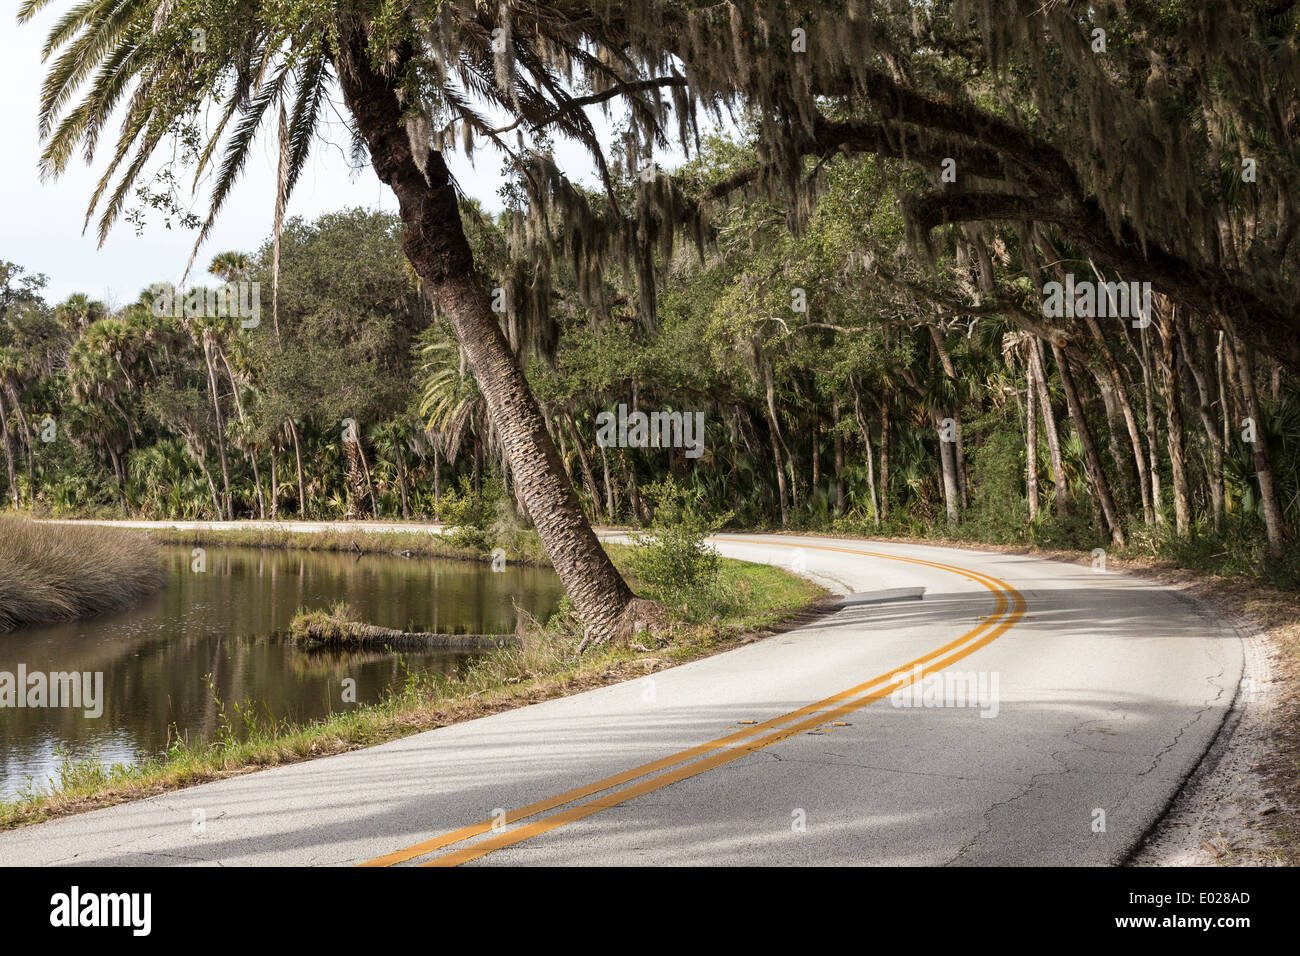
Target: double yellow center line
[1009,608]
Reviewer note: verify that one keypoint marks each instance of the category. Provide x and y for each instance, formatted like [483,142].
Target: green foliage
[676,561]
[470,516]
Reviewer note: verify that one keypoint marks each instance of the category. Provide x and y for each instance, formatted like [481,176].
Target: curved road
[959,708]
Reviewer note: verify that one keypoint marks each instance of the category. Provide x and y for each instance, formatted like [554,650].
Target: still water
[220,635]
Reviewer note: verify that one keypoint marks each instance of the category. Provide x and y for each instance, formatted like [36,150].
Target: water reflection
[228,622]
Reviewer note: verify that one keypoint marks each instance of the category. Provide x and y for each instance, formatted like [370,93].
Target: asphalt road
[959,708]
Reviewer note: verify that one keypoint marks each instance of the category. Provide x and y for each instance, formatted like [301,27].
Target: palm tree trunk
[221,425]
[1092,460]
[297,454]
[1061,488]
[609,485]
[1148,391]
[1199,367]
[884,454]
[365,470]
[401,472]
[212,487]
[9,453]
[275,487]
[435,244]
[27,440]
[121,479]
[251,455]
[947,470]
[1273,521]
[959,451]
[437,476]
[774,430]
[1174,421]
[839,459]
[588,476]
[1031,442]
[866,443]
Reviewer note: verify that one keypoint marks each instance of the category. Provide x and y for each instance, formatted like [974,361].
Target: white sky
[41,223]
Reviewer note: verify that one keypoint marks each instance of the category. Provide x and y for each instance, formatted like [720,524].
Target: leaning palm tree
[415,78]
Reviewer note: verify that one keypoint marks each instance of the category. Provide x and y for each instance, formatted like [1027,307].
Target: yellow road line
[620,796]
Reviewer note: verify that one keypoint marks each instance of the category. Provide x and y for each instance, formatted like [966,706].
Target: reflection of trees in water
[230,622]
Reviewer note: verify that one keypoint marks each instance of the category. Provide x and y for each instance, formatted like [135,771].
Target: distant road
[1053,712]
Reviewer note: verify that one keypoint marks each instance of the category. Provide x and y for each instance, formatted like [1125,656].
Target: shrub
[676,561]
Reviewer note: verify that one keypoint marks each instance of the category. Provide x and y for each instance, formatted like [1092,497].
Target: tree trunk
[839,459]
[774,432]
[437,477]
[26,428]
[239,408]
[1174,422]
[1198,362]
[401,472]
[275,487]
[1031,442]
[1263,465]
[1148,391]
[884,454]
[791,488]
[435,244]
[476,482]
[9,453]
[365,470]
[1091,459]
[609,485]
[212,487]
[297,455]
[816,454]
[947,470]
[1130,419]
[221,426]
[120,472]
[588,476]
[1123,475]
[866,443]
[1061,488]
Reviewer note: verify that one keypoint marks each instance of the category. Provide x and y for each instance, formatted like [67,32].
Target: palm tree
[208,332]
[96,373]
[78,311]
[452,405]
[231,266]
[411,86]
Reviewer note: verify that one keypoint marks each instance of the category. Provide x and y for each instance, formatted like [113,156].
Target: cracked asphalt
[1109,690]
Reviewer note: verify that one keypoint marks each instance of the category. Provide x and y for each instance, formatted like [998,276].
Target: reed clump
[60,572]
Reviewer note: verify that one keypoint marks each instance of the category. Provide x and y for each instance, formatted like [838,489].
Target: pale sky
[41,223]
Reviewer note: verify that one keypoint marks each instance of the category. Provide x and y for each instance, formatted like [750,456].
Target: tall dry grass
[60,572]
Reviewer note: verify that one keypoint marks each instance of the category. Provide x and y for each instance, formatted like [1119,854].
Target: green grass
[51,572]
[523,548]
[545,664]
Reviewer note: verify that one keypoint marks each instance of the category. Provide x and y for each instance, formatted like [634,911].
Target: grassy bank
[52,573]
[750,600]
[340,627]
[520,547]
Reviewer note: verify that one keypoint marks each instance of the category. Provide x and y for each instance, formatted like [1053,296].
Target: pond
[219,637]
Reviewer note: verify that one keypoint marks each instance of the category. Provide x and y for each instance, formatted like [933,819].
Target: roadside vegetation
[859,291]
[51,573]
